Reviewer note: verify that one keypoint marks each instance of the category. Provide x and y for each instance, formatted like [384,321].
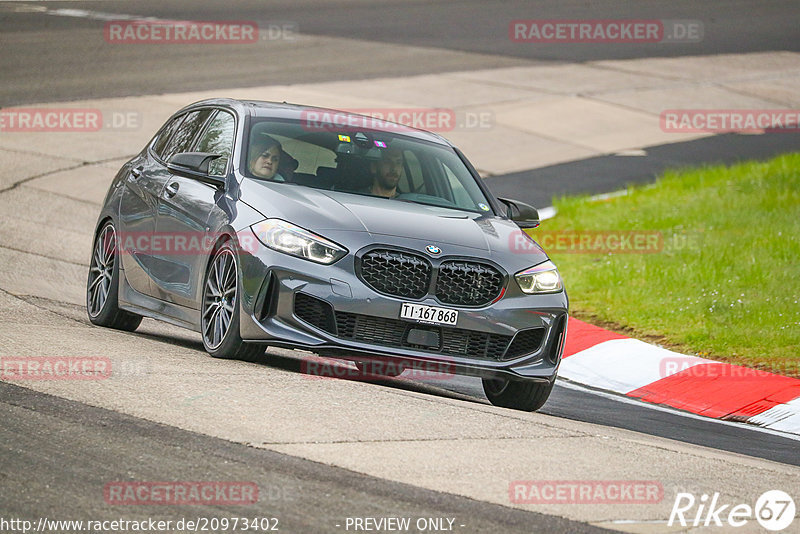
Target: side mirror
[525,215]
[195,165]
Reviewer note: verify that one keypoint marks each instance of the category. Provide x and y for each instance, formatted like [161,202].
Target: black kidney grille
[396,273]
[394,333]
[315,312]
[467,283]
[525,342]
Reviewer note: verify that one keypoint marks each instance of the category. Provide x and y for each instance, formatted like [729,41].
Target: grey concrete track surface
[59,455]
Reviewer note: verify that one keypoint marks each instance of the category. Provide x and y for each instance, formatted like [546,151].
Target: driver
[386,174]
[264,158]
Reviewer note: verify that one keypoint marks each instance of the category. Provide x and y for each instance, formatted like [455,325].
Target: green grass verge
[725,280]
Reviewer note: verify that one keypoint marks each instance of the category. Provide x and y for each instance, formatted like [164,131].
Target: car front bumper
[272,281]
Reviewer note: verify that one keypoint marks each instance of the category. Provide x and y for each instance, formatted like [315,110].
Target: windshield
[368,162]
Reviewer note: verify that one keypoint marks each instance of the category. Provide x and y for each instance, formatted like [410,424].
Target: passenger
[265,158]
[386,174]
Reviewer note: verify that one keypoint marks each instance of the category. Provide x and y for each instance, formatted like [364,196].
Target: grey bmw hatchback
[263,224]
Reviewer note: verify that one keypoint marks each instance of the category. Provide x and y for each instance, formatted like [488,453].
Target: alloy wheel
[101,270]
[219,298]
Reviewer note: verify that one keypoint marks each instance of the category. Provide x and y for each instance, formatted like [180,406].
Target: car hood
[319,210]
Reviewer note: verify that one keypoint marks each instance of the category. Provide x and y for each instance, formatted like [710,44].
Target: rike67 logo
[774,510]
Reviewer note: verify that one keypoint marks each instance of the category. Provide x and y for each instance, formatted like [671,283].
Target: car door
[138,207]
[139,203]
[184,207]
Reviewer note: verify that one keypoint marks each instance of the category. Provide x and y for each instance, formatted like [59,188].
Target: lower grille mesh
[394,333]
[315,312]
[525,342]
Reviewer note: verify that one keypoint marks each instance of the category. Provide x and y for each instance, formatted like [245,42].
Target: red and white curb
[601,359]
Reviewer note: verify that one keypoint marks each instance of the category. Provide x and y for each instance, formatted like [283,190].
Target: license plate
[428,314]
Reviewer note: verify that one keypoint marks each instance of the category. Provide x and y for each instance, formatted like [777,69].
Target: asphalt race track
[393,38]
[322,451]
[57,439]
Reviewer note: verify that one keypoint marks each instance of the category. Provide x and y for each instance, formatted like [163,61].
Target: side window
[166,134]
[309,156]
[218,139]
[181,141]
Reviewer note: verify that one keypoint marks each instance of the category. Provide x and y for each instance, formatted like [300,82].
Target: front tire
[527,395]
[220,310]
[102,285]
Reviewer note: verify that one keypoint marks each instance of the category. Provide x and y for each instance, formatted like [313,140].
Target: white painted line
[97,15]
[606,196]
[636,152]
[547,213]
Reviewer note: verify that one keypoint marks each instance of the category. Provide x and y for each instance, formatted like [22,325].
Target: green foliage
[726,282]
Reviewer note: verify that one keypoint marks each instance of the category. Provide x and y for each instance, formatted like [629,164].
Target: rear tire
[220,310]
[102,285]
[527,395]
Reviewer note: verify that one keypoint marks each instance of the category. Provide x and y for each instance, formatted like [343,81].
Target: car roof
[285,110]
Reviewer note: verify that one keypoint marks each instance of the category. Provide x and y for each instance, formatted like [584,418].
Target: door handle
[171,190]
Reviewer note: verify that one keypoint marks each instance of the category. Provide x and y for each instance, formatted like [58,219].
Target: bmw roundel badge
[433,249]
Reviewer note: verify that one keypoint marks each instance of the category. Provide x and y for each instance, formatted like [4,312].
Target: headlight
[285,237]
[543,278]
